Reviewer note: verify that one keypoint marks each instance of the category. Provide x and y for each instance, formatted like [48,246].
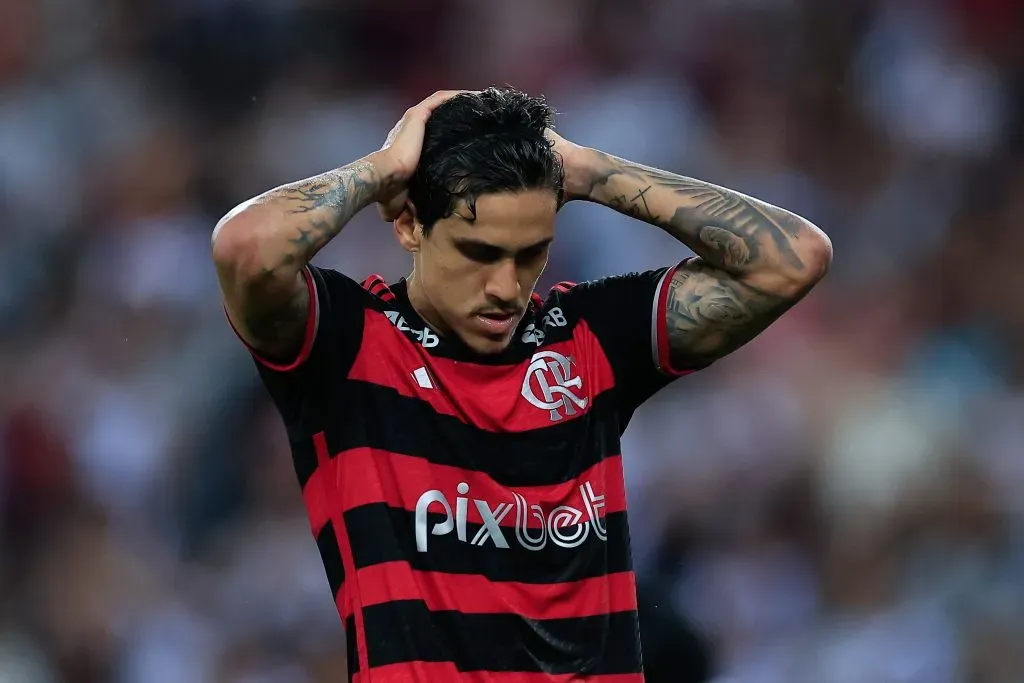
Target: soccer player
[455,435]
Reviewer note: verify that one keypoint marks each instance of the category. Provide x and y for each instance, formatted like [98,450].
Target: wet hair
[483,143]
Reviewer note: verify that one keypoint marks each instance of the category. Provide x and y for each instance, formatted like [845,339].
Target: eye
[532,254]
[481,253]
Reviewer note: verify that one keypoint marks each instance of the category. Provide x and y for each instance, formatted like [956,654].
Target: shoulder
[343,293]
[614,299]
[549,319]
[558,296]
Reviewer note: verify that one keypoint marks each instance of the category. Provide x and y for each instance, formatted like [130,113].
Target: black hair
[482,143]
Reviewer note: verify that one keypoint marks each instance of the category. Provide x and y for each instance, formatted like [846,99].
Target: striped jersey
[470,510]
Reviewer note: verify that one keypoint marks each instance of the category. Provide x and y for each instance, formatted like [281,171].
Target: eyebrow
[480,244]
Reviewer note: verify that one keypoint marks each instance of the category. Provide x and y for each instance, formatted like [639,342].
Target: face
[474,278]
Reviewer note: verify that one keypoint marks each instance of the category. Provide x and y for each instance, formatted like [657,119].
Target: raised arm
[261,247]
[755,260]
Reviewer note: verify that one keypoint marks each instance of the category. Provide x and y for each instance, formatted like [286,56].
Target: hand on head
[402,149]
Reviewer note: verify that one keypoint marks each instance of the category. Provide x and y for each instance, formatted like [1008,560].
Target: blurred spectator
[837,502]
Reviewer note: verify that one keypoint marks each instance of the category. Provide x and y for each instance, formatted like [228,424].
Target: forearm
[279,231]
[261,247]
[757,243]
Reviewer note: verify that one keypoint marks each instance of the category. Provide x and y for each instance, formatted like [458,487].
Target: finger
[392,208]
[387,214]
[424,109]
[441,96]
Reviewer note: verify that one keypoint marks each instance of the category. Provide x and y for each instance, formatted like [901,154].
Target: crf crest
[552,383]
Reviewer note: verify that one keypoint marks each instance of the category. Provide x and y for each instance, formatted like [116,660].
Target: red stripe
[349,597]
[307,340]
[326,487]
[372,280]
[472,594]
[320,490]
[444,672]
[378,286]
[490,397]
[564,286]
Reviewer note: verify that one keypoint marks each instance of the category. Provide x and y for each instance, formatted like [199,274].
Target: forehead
[506,219]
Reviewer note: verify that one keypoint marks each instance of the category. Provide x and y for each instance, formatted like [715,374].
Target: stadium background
[841,501]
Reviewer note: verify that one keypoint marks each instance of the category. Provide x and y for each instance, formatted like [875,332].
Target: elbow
[807,263]
[816,254]
[235,246]
[228,242]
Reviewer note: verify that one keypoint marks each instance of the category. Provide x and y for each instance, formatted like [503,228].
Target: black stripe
[378,533]
[330,553]
[406,631]
[370,415]
[351,649]
[303,457]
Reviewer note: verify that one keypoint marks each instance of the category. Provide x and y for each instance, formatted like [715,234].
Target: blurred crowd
[838,502]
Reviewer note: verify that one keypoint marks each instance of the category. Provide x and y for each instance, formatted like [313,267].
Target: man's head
[482,214]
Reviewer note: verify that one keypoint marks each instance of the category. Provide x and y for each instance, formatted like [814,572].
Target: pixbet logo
[549,383]
[565,526]
[425,337]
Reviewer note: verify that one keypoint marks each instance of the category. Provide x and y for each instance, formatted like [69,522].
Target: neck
[420,303]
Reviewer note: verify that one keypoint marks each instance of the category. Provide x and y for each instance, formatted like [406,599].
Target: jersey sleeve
[333,334]
[627,314]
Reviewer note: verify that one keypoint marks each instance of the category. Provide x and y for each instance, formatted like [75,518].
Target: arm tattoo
[755,260]
[711,314]
[728,229]
[326,203]
[272,303]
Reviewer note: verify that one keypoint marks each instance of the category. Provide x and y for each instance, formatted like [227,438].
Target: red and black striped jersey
[470,511]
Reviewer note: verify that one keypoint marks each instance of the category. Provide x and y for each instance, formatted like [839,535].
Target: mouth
[499,323]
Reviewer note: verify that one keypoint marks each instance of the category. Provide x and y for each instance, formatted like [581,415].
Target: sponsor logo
[535,335]
[426,337]
[564,526]
[551,383]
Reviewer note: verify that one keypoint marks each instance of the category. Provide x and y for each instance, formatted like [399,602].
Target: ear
[408,229]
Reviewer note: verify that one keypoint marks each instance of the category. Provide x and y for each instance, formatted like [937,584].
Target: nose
[503,284]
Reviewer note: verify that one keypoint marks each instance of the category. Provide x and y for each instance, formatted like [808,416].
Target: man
[455,435]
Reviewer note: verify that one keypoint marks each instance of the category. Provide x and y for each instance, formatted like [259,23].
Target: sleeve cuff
[312,324]
[659,327]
